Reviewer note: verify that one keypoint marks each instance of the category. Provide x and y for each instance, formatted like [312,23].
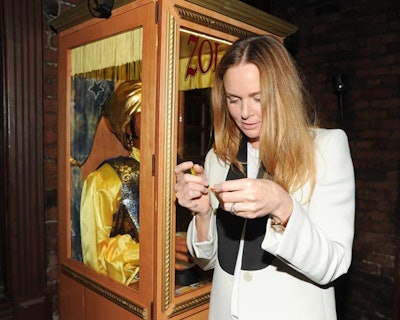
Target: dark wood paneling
[396,294]
[22,206]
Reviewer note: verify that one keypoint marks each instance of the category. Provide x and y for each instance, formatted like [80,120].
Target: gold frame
[169,155]
[169,133]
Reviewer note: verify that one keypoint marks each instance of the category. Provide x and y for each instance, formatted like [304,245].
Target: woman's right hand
[191,189]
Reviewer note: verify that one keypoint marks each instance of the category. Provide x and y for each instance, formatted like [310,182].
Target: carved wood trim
[169,134]
[230,8]
[245,13]
[106,293]
[208,21]
[189,304]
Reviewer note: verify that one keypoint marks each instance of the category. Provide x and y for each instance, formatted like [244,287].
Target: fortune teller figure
[110,195]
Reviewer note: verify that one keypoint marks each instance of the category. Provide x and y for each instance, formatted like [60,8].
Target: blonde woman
[275,201]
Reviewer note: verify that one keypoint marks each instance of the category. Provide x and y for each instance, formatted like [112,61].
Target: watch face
[100,8]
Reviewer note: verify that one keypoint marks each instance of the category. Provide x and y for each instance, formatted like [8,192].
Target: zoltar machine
[120,258]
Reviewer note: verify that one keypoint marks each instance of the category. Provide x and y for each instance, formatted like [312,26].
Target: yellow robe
[117,257]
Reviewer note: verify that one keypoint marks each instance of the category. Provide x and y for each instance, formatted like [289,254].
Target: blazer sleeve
[318,239]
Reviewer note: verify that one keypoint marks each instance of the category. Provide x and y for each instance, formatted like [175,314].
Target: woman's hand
[191,189]
[254,198]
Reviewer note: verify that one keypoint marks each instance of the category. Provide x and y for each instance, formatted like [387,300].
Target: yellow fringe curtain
[129,71]
[118,57]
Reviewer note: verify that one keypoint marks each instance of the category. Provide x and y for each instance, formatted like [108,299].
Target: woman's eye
[233,100]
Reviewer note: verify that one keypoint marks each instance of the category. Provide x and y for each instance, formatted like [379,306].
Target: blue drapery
[87,100]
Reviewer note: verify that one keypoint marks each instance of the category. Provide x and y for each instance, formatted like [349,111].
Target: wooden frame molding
[105,292]
[248,14]
[168,165]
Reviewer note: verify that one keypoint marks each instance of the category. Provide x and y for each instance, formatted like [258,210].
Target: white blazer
[314,250]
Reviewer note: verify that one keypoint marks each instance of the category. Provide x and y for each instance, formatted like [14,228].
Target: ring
[233,211]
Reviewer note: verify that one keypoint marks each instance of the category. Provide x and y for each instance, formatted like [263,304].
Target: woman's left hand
[254,198]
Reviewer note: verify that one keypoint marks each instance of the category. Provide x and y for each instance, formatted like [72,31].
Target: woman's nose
[246,107]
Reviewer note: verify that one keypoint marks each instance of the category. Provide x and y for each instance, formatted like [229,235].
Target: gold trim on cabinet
[189,304]
[230,8]
[208,21]
[104,292]
[169,134]
[249,15]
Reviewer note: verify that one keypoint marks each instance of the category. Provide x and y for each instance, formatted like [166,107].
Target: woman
[277,226]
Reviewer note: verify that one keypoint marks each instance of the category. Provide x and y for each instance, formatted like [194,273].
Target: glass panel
[198,57]
[105,156]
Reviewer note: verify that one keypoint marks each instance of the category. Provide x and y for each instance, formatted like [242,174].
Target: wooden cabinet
[172,47]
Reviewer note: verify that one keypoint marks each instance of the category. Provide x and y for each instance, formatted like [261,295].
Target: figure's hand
[191,189]
[253,198]
[182,256]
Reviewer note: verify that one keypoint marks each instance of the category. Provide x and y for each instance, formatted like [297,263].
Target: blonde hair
[122,106]
[286,141]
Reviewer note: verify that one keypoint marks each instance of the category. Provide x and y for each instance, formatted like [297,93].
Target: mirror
[105,155]
[198,58]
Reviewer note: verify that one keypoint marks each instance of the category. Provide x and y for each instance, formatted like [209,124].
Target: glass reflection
[105,155]
[198,58]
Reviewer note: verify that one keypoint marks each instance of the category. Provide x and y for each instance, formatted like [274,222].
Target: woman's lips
[249,126]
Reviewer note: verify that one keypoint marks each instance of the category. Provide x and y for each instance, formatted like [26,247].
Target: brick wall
[51,10]
[359,39]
